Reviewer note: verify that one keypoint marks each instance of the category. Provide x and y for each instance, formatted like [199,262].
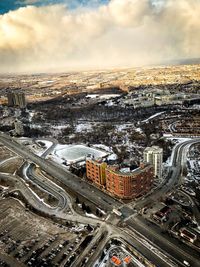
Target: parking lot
[29,240]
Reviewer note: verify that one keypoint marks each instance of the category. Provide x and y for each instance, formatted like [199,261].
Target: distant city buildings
[154,156]
[157,97]
[16,99]
[122,183]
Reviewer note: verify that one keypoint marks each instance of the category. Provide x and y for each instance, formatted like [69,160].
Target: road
[136,224]
[173,178]
[178,251]
[83,188]
[47,185]
[41,206]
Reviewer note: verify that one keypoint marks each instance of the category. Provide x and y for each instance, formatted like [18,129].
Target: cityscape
[99,133]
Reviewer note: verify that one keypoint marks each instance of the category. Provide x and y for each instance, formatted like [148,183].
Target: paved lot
[24,236]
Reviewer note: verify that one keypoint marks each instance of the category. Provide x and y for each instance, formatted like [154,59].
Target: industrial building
[16,99]
[121,183]
[154,156]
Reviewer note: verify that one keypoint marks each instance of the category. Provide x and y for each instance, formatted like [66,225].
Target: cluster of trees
[59,110]
[87,208]
[83,206]
[35,132]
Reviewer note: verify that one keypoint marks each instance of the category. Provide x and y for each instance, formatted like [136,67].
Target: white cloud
[122,33]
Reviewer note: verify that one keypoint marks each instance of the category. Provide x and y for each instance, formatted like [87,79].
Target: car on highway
[186,263]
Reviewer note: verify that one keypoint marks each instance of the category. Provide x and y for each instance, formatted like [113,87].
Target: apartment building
[130,184]
[154,156]
[122,184]
[16,99]
[95,171]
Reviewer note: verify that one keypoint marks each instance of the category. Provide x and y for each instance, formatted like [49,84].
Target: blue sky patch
[7,5]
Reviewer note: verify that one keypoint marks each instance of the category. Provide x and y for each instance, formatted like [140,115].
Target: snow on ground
[112,157]
[46,142]
[121,127]
[37,151]
[73,153]
[83,127]
[167,162]
[102,211]
[56,159]
[106,148]
[60,127]
[25,140]
[192,164]
[139,130]
[177,141]
[60,146]
[24,171]
[4,187]
[91,215]
[36,126]
[104,96]
[153,116]
[79,228]
[31,114]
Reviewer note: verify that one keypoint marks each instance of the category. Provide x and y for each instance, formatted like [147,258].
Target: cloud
[121,33]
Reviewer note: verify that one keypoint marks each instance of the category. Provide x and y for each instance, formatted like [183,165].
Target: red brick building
[129,185]
[124,185]
[95,171]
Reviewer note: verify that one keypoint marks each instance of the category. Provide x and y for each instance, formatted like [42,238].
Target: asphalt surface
[173,178]
[102,200]
[166,243]
[83,188]
[177,250]
[39,205]
[50,187]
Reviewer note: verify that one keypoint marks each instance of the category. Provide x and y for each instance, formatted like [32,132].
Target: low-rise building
[188,235]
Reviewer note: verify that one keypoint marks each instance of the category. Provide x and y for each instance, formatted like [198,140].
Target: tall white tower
[154,156]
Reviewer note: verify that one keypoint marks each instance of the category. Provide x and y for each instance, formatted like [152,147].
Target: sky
[66,35]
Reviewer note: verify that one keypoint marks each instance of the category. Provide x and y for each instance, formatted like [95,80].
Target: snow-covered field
[75,153]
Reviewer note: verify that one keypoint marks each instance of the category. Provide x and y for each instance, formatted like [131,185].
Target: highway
[136,224]
[173,178]
[83,188]
[178,251]
[148,230]
[47,185]
[41,206]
